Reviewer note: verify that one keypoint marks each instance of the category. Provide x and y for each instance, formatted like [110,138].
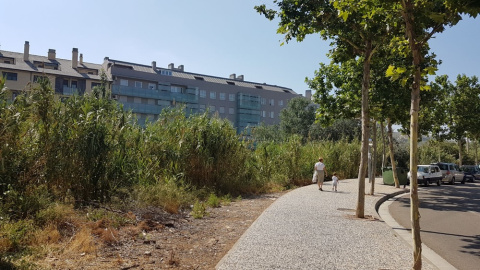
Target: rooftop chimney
[181,67]
[308,94]
[233,76]
[240,78]
[74,58]
[171,66]
[26,51]
[154,65]
[51,54]
[81,59]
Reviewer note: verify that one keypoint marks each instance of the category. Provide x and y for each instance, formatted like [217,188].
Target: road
[449,223]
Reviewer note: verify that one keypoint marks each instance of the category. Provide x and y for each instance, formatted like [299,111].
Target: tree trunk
[374,158]
[360,211]
[439,152]
[476,152]
[392,156]
[460,152]
[408,17]
[382,130]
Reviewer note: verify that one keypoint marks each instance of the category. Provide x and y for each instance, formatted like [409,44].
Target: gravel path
[310,229]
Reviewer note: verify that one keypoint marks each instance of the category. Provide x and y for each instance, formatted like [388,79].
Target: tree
[297,117]
[422,19]
[355,30]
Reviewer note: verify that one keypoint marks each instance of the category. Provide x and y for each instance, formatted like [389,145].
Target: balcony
[142,108]
[249,118]
[70,91]
[248,102]
[135,92]
[164,94]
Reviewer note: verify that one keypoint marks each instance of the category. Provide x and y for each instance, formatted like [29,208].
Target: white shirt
[334,179]
[319,166]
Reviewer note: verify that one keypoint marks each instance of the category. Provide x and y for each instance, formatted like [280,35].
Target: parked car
[450,173]
[471,172]
[428,174]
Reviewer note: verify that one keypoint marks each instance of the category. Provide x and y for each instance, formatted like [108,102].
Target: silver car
[451,173]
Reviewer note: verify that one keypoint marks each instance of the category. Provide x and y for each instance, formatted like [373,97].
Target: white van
[428,174]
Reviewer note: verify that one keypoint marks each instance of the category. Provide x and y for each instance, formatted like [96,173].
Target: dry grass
[82,242]
[47,235]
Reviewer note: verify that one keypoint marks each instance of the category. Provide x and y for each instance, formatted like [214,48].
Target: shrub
[199,210]
[166,194]
[213,201]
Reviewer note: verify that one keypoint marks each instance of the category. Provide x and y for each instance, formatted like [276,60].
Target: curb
[427,253]
[388,197]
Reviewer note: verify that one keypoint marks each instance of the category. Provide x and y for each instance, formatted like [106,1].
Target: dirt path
[183,243]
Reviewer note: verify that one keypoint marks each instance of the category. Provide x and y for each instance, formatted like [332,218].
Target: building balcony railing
[179,97]
[248,118]
[70,91]
[248,102]
[142,108]
[164,94]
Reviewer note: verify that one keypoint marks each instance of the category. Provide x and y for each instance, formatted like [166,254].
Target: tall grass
[58,156]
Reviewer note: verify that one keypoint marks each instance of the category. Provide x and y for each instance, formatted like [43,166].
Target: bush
[199,210]
[213,201]
[165,194]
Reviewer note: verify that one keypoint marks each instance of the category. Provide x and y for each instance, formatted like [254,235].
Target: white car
[427,174]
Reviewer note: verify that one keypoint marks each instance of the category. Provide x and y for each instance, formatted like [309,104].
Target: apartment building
[67,76]
[147,89]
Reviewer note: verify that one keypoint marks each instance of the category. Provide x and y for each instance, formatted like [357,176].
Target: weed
[199,210]
[213,201]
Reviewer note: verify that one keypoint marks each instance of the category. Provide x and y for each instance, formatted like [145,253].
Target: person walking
[321,173]
[335,181]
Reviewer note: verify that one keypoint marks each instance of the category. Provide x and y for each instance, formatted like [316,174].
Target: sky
[211,37]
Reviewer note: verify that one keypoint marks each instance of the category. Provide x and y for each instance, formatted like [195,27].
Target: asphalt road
[449,223]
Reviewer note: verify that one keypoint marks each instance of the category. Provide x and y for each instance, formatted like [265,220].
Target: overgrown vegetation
[72,169]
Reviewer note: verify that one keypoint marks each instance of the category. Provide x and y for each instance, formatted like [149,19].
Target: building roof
[176,72]
[64,66]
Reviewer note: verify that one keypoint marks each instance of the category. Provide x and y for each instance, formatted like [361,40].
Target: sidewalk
[310,229]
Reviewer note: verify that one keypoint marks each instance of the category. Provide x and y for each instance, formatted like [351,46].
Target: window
[10,76]
[203,93]
[272,102]
[202,108]
[138,84]
[176,89]
[271,114]
[166,72]
[231,110]
[264,114]
[280,102]
[222,96]
[152,86]
[263,101]
[213,95]
[65,83]
[74,84]
[94,84]
[221,109]
[230,83]
[7,60]
[212,108]
[123,82]
[231,97]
